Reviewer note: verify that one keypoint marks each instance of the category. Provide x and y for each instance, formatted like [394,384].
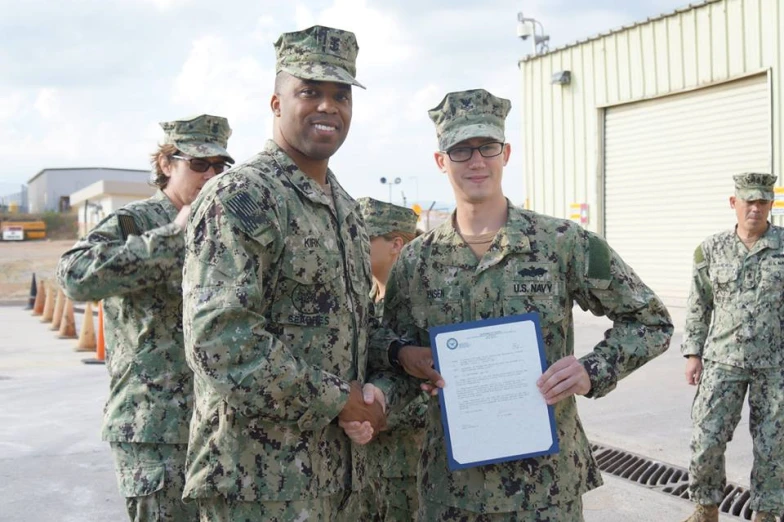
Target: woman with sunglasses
[133,260]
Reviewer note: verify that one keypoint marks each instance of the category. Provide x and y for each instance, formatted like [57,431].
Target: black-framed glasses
[202,165]
[487,150]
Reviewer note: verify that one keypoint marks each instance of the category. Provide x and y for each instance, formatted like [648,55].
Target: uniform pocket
[552,319]
[141,481]
[724,280]
[549,308]
[437,314]
[310,286]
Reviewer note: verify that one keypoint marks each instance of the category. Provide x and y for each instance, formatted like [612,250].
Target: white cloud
[422,101]
[11,104]
[266,31]
[47,103]
[216,79]
[383,40]
[166,5]
[224,79]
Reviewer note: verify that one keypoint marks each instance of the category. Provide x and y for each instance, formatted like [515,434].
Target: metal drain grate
[665,478]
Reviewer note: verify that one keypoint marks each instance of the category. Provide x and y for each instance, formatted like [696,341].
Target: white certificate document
[491,408]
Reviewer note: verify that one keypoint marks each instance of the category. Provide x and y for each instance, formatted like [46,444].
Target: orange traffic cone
[51,294]
[68,323]
[100,350]
[87,340]
[58,310]
[40,298]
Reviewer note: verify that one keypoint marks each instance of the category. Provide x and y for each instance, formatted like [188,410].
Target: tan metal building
[656,118]
[96,201]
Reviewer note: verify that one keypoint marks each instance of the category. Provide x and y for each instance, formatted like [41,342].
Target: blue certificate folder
[483,435]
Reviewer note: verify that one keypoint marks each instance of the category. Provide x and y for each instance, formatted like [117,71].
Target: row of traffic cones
[50,303]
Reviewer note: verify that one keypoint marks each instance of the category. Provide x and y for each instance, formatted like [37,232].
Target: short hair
[405,236]
[281,79]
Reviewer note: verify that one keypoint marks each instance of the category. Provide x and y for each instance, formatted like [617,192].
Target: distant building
[16,202]
[636,132]
[50,189]
[100,199]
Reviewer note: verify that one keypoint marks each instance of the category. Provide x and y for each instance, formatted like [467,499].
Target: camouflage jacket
[395,453]
[736,305]
[538,264]
[276,287]
[133,261]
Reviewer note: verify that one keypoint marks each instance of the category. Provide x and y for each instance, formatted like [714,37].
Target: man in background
[733,346]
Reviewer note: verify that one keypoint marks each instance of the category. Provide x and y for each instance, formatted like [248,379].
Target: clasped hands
[365,413]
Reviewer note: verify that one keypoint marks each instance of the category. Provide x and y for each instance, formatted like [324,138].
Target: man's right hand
[182,216]
[356,409]
[417,361]
[693,369]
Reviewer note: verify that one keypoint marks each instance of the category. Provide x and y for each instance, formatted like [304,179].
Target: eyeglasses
[488,150]
[201,165]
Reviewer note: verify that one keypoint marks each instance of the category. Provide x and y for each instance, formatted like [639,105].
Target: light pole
[389,183]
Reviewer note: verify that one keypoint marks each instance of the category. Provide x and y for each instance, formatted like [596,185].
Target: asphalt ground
[54,467]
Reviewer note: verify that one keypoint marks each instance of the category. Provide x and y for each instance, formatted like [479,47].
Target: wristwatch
[394,351]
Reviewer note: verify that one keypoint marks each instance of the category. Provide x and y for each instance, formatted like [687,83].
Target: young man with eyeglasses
[132,260]
[481,264]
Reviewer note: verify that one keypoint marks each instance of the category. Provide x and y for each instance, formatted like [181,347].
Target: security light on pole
[527,28]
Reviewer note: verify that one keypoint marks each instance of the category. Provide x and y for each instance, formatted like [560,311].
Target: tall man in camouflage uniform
[133,261]
[733,343]
[493,259]
[276,285]
[391,493]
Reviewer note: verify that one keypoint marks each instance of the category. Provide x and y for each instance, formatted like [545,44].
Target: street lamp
[527,27]
[390,182]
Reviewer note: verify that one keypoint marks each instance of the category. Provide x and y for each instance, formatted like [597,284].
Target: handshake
[365,413]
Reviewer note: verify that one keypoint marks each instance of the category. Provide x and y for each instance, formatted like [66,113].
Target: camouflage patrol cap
[382,218]
[318,53]
[469,114]
[199,136]
[751,186]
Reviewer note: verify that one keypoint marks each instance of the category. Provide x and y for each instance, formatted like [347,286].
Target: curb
[13,302]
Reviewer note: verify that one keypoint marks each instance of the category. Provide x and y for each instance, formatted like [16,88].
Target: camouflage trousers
[433,512]
[319,509]
[715,415]
[151,477]
[385,500]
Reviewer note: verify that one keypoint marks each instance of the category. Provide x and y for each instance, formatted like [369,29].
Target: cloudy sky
[85,82]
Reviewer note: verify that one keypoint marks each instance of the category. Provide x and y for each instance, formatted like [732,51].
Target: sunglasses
[202,165]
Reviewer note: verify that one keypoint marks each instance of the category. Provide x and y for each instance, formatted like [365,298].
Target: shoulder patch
[127,226]
[699,255]
[699,258]
[248,212]
[598,258]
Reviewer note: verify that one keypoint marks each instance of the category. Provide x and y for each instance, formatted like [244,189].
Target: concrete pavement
[54,467]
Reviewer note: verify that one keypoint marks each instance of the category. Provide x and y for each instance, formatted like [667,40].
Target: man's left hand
[563,379]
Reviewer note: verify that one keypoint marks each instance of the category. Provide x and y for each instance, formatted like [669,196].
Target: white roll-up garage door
[668,174]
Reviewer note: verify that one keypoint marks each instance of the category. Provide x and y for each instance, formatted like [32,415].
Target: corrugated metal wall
[668,172]
[689,49]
